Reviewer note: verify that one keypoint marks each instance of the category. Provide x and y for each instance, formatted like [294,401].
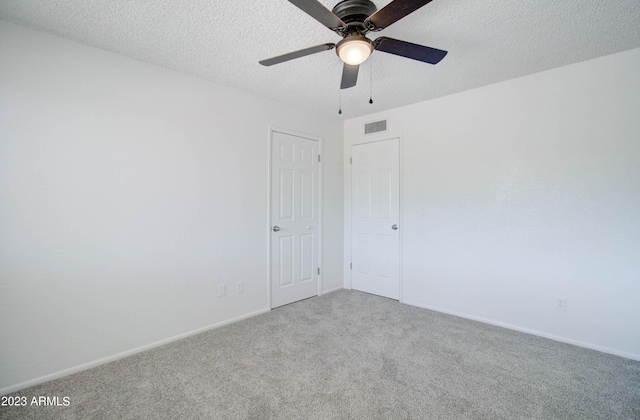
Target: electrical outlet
[240,287]
[561,304]
[222,290]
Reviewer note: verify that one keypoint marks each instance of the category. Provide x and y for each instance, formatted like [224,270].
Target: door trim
[275,129]
[389,135]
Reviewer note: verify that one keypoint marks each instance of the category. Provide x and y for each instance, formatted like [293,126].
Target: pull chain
[371,81]
[339,101]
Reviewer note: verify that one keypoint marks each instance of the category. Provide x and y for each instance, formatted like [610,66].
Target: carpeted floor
[350,355]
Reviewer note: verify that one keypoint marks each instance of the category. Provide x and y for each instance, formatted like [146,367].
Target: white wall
[532,193]
[127,194]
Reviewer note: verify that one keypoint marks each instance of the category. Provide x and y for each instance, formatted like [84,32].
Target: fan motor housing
[354,11]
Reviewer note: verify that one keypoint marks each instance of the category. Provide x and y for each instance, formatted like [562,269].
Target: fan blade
[409,50]
[349,76]
[393,12]
[316,10]
[296,54]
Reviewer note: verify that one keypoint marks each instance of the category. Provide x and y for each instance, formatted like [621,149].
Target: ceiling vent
[375,127]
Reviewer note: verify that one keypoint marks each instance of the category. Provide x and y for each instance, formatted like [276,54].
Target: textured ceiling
[488,41]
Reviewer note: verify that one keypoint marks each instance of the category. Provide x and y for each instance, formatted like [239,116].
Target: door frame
[365,139]
[271,130]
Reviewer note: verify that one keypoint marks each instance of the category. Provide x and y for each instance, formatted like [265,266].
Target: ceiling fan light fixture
[354,49]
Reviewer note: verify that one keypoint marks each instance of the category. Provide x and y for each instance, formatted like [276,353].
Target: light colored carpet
[350,355]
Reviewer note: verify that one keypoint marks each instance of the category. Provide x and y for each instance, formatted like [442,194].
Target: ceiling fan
[352,20]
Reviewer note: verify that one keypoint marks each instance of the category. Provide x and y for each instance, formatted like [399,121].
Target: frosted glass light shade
[354,50]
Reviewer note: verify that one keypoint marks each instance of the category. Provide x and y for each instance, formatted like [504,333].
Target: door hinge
[318,158]
[350,161]
[318,270]
[350,266]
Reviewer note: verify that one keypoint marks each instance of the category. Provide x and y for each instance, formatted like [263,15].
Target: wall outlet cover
[561,304]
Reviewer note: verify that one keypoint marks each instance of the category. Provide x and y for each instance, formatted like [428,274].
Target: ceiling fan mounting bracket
[354,13]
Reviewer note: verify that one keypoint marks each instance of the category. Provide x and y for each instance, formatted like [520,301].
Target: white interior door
[375,218]
[295,200]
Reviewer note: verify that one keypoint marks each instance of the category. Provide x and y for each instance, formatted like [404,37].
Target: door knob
[394,227]
[276,228]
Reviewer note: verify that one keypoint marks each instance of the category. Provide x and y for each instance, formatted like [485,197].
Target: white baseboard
[578,343]
[331,290]
[85,366]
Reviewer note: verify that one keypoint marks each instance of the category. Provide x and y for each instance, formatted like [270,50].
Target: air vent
[375,127]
